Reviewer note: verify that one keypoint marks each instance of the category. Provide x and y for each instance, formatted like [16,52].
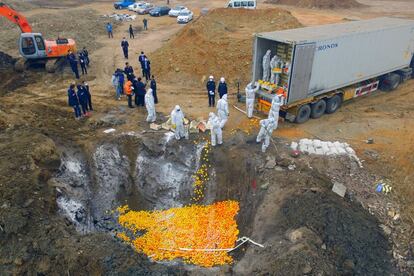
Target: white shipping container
[328,57]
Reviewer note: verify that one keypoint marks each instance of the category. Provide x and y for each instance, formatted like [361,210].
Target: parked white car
[175,11]
[145,8]
[134,7]
[185,16]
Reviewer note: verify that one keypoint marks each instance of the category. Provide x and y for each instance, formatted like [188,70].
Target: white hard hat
[222,79]
[211,77]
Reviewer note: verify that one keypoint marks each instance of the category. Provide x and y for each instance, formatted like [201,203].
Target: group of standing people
[126,83]
[133,86]
[211,90]
[109,29]
[83,57]
[217,122]
[142,60]
[80,100]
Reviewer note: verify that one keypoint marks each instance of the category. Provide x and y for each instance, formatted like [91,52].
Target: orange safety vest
[128,88]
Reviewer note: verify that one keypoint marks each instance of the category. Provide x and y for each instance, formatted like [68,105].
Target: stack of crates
[284,51]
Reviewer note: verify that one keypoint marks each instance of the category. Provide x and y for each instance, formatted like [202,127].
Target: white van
[245,4]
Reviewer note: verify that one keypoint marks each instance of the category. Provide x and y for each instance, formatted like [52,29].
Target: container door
[301,72]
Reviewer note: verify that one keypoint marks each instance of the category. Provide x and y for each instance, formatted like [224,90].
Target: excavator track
[20,65]
[53,64]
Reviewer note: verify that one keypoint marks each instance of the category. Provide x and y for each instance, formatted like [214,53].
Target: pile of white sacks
[319,147]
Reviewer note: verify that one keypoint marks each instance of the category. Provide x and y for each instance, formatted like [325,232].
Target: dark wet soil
[354,242]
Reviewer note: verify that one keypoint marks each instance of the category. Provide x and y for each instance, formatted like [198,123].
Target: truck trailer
[320,67]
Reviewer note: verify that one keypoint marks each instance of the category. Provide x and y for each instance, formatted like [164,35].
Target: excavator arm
[15,17]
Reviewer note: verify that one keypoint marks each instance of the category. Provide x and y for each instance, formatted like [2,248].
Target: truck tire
[303,114]
[333,104]
[390,82]
[318,109]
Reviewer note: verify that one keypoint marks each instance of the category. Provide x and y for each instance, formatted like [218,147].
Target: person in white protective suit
[216,132]
[266,129]
[274,63]
[251,90]
[223,110]
[150,105]
[266,66]
[177,121]
[275,108]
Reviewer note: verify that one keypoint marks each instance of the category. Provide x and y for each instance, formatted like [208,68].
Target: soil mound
[319,4]
[219,43]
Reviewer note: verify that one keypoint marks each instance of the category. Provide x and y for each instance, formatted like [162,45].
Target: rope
[242,239]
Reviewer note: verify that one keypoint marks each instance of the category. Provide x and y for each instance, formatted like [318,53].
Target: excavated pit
[156,172]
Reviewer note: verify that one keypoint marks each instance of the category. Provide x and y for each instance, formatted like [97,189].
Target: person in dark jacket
[222,87]
[141,59]
[211,91]
[147,69]
[153,86]
[131,32]
[86,55]
[139,88]
[145,21]
[121,80]
[129,71]
[82,61]
[73,101]
[124,46]
[73,63]
[83,99]
[88,95]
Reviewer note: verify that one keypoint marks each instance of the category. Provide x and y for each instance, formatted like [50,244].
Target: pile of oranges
[184,232]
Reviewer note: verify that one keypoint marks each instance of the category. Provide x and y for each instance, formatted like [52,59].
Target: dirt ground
[286,202]
[221,41]
[327,4]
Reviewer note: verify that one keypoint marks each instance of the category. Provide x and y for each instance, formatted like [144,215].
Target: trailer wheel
[333,104]
[390,82]
[303,114]
[318,109]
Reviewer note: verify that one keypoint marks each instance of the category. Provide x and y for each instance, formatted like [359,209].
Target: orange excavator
[33,48]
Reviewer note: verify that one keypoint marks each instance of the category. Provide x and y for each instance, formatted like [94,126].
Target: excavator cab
[32,46]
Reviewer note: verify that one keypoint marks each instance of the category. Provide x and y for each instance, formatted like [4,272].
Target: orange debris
[181,232]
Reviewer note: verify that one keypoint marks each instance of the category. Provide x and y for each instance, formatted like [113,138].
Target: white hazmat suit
[266,128]
[177,121]
[274,63]
[150,105]
[223,110]
[275,108]
[251,90]
[266,66]
[216,132]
